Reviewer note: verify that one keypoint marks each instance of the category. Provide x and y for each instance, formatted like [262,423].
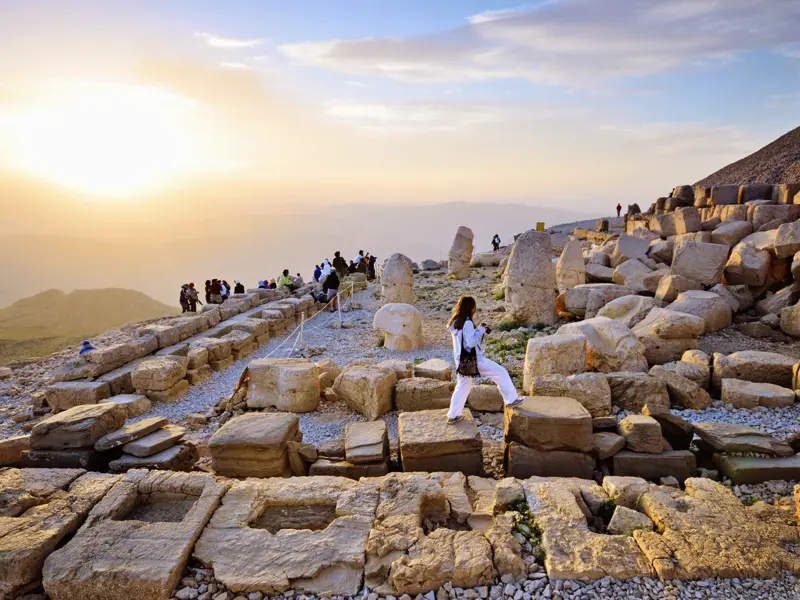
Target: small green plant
[508,324]
[499,294]
[417,361]
[750,500]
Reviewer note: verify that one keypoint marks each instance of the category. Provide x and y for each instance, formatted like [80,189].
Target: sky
[136,118]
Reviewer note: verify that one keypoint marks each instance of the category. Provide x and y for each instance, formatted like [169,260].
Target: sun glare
[107,141]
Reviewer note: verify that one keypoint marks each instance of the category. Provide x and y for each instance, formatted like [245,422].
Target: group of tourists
[364,263]
[189,298]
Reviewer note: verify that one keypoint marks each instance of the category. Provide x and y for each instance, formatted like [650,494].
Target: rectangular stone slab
[129,433]
[346,469]
[177,458]
[71,458]
[753,469]
[134,404]
[679,464]
[148,555]
[366,442]
[78,427]
[427,433]
[525,462]
[52,509]
[155,442]
[11,450]
[550,423]
[254,445]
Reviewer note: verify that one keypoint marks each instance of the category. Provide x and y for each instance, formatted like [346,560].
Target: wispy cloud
[573,43]
[678,138]
[218,41]
[354,83]
[236,65]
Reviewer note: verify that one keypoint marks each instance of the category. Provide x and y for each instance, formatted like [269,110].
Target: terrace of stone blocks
[627,459]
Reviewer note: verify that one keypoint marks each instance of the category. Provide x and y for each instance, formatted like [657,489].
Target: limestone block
[586,300]
[366,442]
[530,280]
[747,266]
[155,442]
[783,193]
[397,280]
[39,513]
[713,309]
[745,394]
[460,255]
[550,423]
[743,470]
[422,393]
[680,464]
[288,384]
[724,194]
[434,368]
[628,269]
[625,521]
[170,395]
[753,365]
[610,346]
[670,286]
[367,390]
[197,376]
[570,270]
[606,444]
[523,462]
[683,392]
[64,395]
[596,273]
[790,320]
[241,341]
[560,354]
[647,283]
[255,327]
[641,433]
[731,438]
[485,397]
[787,240]
[629,247]
[328,372]
[634,391]
[628,310]
[775,303]
[762,214]
[661,250]
[589,389]
[700,262]
[401,325]
[403,369]
[158,374]
[77,427]
[254,445]
[218,349]
[11,450]
[700,373]
[129,433]
[181,457]
[731,233]
[198,357]
[429,443]
[116,543]
[670,324]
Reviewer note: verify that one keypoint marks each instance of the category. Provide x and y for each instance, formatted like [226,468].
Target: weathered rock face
[642,434]
[730,234]
[672,285]
[113,557]
[700,262]
[610,346]
[586,300]
[634,391]
[158,374]
[753,365]
[571,550]
[629,247]
[707,532]
[729,438]
[397,280]
[254,445]
[401,325]
[460,255]
[713,309]
[78,427]
[64,395]
[589,389]
[790,320]
[429,443]
[39,509]
[288,384]
[306,534]
[422,393]
[368,390]
[549,423]
[745,394]
[434,368]
[628,310]
[683,392]
[530,288]
[747,266]
[554,355]
[570,270]
[667,334]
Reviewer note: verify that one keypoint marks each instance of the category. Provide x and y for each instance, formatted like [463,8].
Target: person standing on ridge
[330,287]
[183,299]
[340,264]
[619,209]
[317,273]
[215,289]
[208,291]
[496,242]
[191,294]
[470,361]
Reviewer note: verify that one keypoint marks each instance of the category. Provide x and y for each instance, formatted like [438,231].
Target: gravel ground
[779,422]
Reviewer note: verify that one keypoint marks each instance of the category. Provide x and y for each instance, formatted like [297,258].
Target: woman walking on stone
[470,361]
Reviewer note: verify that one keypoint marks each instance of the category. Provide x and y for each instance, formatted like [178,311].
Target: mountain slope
[778,162]
[80,313]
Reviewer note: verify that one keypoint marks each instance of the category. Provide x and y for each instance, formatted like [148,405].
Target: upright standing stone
[460,255]
[397,280]
[570,270]
[530,285]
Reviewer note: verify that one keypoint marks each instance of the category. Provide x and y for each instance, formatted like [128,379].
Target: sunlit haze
[148,143]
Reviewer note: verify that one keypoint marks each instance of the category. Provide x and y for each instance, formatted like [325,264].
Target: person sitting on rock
[340,264]
[215,288]
[273,284]
[358,257]
[298,280]
[470,361]
[352,268]
[496,242]
[285,280]
[86,347]
[239,289]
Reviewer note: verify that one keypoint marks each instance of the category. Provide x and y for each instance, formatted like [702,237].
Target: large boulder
[460,255]
[790,320]
[554,355]
[787,240]
[628,310]
[713,309]
[66,394]
[590,389]
[699,261]
[254,445]
[368,390]
[288,384]
[158,374]
[634,391]
[401,325]
[628,247]
[530,287]
[610,346]
[77,427]
[671,285]
[642,434]
[586,300]
[397,280]
[730,234]
[683,392]
[747,266]
[546,424]
[729,437]
[630,268]
[667,334]
[570,270]
[422,393]
[753,365]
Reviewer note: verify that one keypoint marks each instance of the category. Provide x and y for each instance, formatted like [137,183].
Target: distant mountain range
[777,162]
[81,313]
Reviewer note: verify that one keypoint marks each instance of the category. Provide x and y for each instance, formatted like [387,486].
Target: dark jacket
[216,287]
[340,264]
[331,282]
[239,289]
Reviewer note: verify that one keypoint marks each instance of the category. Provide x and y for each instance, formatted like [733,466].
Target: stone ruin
[459,257]
[401,327]
[397,280]
[530,281]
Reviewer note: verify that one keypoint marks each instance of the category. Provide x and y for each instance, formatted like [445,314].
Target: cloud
[359,84]
[683,138]
[236,65]
[217,41]
[574,43]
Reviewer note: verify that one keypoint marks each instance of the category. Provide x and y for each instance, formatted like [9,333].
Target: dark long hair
[464,310]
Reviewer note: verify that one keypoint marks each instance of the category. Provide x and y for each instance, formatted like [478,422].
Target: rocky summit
[277,446]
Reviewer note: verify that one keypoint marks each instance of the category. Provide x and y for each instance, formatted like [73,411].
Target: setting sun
[107,140]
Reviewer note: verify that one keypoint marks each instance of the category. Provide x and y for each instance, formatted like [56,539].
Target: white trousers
[490,370]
